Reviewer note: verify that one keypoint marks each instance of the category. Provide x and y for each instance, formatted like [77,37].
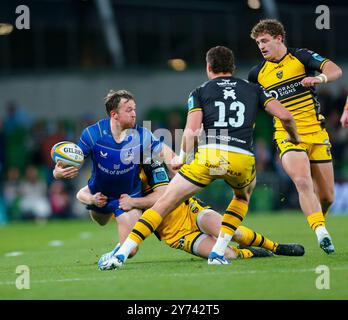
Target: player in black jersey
[226,106]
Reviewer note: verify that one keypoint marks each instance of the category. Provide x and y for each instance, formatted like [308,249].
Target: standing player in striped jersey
[226,106]
[289,74]
[117,147]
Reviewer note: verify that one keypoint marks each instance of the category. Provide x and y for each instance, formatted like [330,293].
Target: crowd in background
[29,191]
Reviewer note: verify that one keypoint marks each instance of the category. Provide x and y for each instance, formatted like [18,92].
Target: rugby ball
[69,153]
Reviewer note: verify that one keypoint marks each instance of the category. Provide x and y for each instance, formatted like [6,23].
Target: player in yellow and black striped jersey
[226,106]
[289,75]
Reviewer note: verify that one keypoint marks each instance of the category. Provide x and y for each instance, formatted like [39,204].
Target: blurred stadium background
[54,75]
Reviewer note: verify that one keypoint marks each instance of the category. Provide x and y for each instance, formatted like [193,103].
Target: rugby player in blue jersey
[117,147]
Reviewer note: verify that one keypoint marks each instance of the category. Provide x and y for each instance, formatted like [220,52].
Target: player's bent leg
[248,238]
[205,243]
[323,179]
[297,166]
[178,190]
[101,218]
[232,218]
[209,222]
[310,205]
[125,225]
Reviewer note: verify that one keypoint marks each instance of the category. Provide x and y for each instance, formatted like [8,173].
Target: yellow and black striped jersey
[283,80]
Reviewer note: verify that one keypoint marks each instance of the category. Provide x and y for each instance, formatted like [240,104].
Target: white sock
[321,232]
[221,244]
[127,248]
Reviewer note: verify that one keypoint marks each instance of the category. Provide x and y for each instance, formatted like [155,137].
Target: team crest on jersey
[229,93]
[279,74]
[129,156]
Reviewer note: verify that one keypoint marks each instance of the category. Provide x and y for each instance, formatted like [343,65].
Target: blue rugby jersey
[116,166]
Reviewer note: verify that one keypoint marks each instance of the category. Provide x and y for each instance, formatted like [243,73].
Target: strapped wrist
[322,77]
[182,156]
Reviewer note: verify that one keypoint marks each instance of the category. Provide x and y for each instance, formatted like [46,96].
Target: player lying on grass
[193,226]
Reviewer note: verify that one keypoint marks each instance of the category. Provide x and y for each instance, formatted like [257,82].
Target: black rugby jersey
[229,107]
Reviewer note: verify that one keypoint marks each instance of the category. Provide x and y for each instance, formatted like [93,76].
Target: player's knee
[102,221]
[133,253]
[303,183]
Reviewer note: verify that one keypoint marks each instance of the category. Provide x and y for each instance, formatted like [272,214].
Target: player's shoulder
[98,128]
[198,89]
[304,54]
[255,70]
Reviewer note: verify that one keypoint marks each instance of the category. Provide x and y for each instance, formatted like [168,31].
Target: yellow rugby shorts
[317,145]
[237,169]
[179,229]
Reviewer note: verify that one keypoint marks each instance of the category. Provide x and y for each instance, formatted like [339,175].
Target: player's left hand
[125,202]
[310,81]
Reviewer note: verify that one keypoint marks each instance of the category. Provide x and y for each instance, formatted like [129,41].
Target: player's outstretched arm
[275,108]
[330,72]
[61,172]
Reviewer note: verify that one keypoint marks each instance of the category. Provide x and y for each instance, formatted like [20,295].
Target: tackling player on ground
[193,226]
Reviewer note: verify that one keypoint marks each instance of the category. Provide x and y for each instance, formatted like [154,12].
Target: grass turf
[69,270]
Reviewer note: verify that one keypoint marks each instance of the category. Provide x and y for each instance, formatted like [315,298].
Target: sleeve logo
[190,103]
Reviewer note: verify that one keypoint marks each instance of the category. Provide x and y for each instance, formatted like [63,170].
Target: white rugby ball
[69,153]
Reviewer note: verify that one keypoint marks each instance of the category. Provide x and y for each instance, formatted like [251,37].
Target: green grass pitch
[62,258]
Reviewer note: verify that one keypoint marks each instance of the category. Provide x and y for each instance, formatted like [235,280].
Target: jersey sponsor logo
[223,138]
[279,74]
[284,91]
[226,83]
[115,172]
[103,155]
[229,93]
[266,93]
[318,57]
[190,103]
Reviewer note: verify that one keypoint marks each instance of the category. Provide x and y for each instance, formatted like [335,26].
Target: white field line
[181,274]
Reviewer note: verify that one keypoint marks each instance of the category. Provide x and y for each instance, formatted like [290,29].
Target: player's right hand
[99,199]
[61,172]
[294,140]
